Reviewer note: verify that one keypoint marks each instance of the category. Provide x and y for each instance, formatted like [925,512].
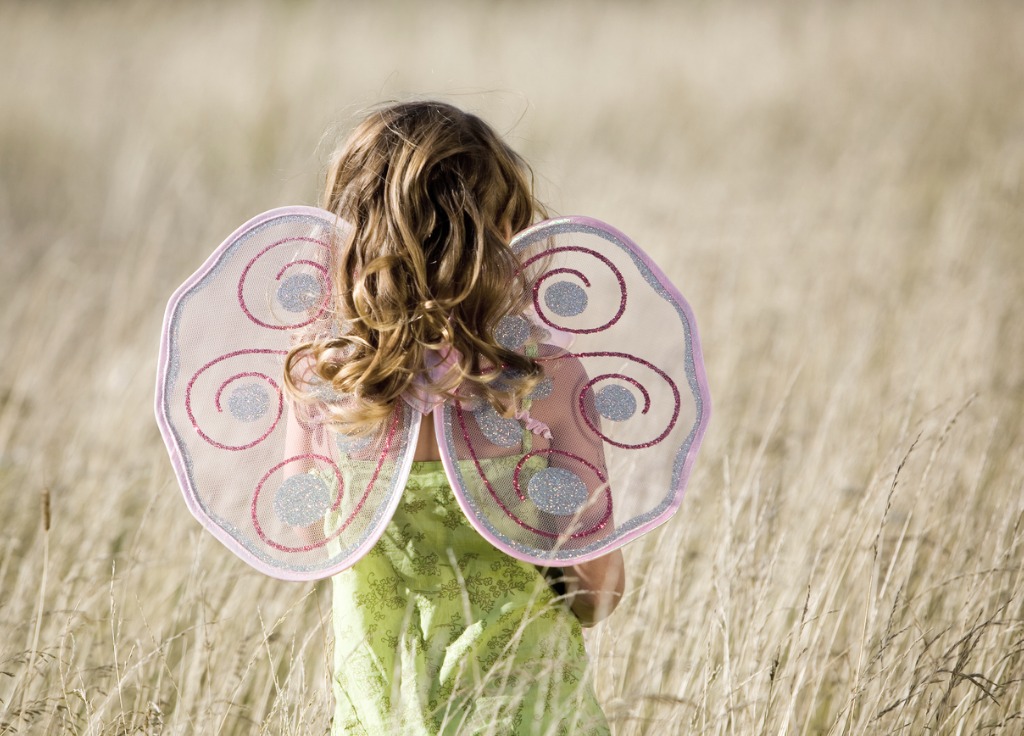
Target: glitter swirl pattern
[557,491]
[542,390]
[569,299]
[619,400]
[296,292]
[512,332]
[326,464]
[615,403]
[662,375]
[245,408]
[517,483]
[300,292]
[497,429]
[565,298]
[302,500]
[249,402]
[633,400]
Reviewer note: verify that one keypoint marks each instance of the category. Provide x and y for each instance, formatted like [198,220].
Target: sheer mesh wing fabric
[603,449]
[265,474]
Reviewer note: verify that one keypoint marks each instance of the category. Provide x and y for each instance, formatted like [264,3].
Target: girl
[436,631]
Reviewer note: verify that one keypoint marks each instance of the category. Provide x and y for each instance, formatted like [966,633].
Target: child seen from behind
[436,630]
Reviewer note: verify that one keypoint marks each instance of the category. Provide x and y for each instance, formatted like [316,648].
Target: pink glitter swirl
[259,489]
[602,522]
[319,266]
[677,402]
[263,376]
[337,501]
[621,377]
[575,272]
[237,376]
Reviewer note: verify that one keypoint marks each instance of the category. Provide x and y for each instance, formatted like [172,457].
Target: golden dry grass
[839,191]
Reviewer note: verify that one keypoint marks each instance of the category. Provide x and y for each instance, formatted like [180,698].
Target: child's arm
[595,588]
[298,444]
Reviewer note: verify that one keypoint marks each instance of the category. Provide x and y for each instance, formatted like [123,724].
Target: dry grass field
[838,189]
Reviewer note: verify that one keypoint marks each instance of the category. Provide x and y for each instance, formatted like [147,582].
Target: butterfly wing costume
[598,454]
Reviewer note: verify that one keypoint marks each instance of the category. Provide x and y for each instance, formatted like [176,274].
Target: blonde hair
[432,195]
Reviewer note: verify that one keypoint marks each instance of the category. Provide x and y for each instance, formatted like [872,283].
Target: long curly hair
[432,195]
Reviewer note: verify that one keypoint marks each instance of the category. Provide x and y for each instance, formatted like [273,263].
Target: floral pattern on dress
[438,632]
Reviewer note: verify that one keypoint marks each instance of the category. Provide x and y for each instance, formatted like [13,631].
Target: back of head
[432,194]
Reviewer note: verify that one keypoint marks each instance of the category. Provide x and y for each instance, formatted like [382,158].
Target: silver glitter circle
[512,331]
[543,389]
[557,491]
[323,391]
[497,429]
[300,292]
[248,402]
[302,500]
[615,403]
[347,443]
[565,298]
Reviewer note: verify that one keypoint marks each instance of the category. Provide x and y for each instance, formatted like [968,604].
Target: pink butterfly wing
[266,475]
[624,400]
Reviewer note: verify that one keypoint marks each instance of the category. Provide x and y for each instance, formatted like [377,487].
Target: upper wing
[624,401]
[268,476]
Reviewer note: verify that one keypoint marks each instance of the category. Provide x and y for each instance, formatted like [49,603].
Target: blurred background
[835,187]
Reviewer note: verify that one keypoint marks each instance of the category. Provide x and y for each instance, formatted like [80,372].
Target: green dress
[438,632]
